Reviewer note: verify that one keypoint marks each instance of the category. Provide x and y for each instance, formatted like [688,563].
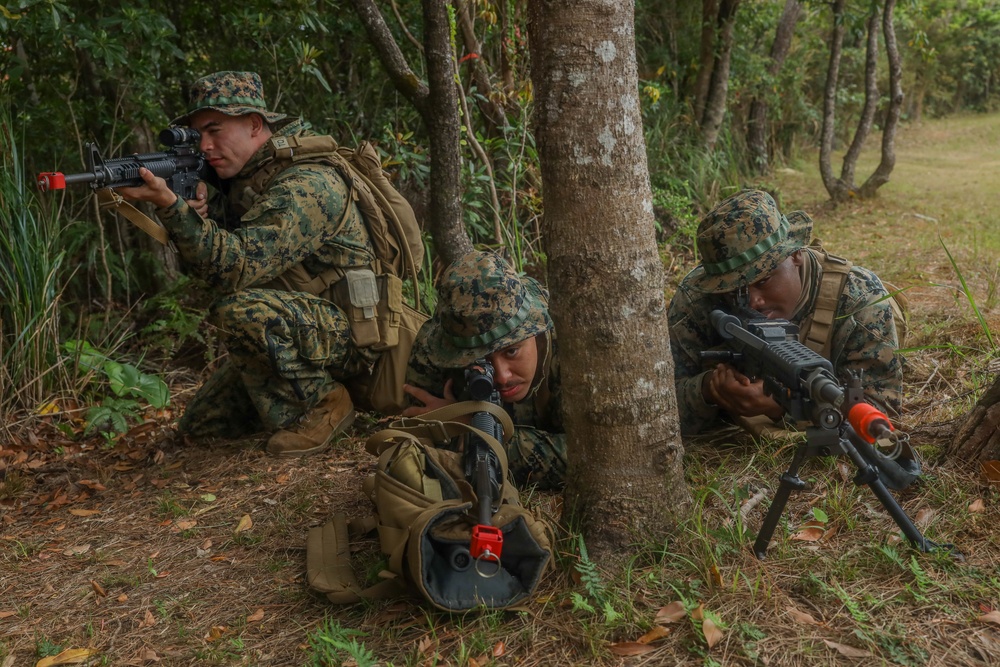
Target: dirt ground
[155,551]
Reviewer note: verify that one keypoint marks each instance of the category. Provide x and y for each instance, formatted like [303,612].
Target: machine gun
[840,422]
[181,167]
[482,467]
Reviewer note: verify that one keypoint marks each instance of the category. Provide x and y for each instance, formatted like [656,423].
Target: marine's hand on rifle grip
[200,204]
[739,395]
[155,190]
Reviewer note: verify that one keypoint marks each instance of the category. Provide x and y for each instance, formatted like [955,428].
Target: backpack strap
[328,566]
[818,335]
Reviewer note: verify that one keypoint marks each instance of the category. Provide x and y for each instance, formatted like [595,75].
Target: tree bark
[492,112]
[881,174]
[718,91]
[706,56]
[437,103]
[871,103]
[831,182]
[757,142]
[978,438]
[625,476]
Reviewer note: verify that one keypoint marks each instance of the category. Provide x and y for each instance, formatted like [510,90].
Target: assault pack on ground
[449,523]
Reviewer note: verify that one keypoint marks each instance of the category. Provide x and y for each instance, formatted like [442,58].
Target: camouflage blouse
[864,341]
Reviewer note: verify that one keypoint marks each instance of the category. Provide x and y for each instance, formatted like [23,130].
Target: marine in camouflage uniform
[287,348]
[741,242]
[484,307]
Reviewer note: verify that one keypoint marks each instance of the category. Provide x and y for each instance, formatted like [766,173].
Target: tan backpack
[372,299]
[425,514]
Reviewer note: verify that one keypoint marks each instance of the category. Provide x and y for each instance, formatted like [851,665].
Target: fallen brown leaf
[672,612]
[148,620]
[923,518]
[716,576]
[630,648]
[71,656]
[185,524]
[7,614]
[246,523]
[713,635]
[656,633]
[992,617]
[256,616]
[98,588]
[989,471]
[499,649]
[810,534]
[977,506]
[77,550]
[76,512]
[849,651]
[802,617]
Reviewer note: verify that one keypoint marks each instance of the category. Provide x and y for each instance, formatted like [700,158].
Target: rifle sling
[109,199]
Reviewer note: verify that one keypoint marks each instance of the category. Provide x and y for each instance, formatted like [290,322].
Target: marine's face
[229,142]
[776,294]
[514,369]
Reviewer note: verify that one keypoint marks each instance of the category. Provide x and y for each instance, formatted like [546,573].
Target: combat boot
[315,429]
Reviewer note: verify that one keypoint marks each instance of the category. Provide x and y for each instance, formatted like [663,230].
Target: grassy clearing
[141,552]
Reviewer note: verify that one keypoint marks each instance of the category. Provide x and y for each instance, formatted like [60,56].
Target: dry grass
[135,551]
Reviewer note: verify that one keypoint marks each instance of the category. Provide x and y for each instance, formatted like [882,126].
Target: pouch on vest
[425,513]
[373,305]
[382,389]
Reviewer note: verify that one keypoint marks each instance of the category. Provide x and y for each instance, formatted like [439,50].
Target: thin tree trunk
[491,111]
[831,182]
[881,174]
[715,105]
[871,103]
[437,104]
[757,142]
[625,476]
[450,238]
[706,56]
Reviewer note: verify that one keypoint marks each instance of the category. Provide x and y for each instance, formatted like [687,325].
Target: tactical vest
[816,331]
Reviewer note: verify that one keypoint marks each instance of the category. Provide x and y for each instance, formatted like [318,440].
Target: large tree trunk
[757,143]
[437,104]
[625,476]
[978,438]
[718,91]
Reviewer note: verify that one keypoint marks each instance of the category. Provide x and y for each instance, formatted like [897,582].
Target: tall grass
[30,263]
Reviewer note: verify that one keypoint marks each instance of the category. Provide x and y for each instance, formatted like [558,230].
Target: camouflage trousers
[286,351]
[537,458]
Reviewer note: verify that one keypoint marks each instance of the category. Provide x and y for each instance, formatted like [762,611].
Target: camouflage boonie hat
[743,239]
[484,306]
[231,93]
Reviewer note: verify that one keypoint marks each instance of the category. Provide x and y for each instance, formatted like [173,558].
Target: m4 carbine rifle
[182,167]
[483,470]
[840,421]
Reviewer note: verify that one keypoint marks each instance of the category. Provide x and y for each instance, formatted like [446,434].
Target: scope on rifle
[479,380]
[181,167]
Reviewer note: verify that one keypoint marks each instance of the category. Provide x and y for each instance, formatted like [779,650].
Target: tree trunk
[437,104]
[978,438]
[450,238]
[881,174]
[718,91]
[831,182]
[625,475]
[706,56]
[871,103]
[757,122]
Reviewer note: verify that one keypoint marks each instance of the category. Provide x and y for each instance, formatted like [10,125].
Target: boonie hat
[231,93]
[743,239]
[484,306]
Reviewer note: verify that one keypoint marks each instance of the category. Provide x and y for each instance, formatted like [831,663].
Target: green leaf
[820,515]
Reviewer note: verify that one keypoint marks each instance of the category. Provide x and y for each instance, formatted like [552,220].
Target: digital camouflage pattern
[231,93]
[743,239]
[287,349]
[484,306]
[864,340]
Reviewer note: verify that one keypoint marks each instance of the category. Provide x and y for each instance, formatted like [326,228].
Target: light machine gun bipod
[840,422]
